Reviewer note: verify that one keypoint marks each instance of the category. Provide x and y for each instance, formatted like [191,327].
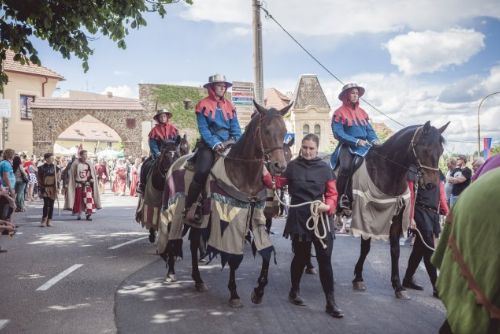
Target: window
[317,130]
[24,100]
[305,129]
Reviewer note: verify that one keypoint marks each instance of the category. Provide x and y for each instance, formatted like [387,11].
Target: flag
[487,147]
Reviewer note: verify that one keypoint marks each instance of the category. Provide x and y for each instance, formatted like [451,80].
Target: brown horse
[262,142]
[388,167]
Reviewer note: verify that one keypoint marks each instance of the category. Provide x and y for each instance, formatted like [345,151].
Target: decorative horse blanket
[229,220]
[148,212]
[373,210]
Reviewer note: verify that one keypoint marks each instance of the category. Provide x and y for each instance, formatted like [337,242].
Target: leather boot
[48,223]
[44,221]
[295,298]
[435,292]
[411,284]
[332,308]
[191,207]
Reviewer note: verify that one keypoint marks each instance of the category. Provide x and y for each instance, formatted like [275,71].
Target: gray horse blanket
[373,210]
[148,212]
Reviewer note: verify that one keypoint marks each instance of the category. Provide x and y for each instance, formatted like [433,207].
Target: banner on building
[5,110]
[487,147]
[242,94]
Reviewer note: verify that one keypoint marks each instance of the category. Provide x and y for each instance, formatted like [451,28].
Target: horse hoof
[152,238]
[201,287]
[170,278]
[403,295]
[255,298]
[359,286]
[235,303]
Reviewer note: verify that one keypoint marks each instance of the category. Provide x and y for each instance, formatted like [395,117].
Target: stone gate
[51,116]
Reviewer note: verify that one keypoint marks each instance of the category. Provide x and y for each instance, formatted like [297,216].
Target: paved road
[122,289]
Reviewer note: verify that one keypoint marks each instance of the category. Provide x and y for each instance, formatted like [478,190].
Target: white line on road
[59,277]
[127,243]
[3,323]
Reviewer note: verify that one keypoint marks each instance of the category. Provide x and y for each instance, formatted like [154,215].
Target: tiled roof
[9,65]
[82,95]
[89,128]
[65,103]
[273,98]
[309,93]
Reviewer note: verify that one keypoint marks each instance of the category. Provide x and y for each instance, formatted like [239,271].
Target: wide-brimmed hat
[216,78]
[346,88]
[162,111]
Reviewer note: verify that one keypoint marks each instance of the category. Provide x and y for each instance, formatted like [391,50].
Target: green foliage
[69,25]
[495,150]
[172,98]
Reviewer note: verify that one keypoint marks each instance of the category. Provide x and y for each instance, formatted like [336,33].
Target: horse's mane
[430,137]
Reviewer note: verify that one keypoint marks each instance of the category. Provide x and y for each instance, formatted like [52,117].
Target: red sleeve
[443,206]
[411,185]
[331,196]
[280,181]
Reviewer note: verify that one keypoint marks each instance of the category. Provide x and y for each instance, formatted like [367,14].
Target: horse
[261,143]
[184,146]
[149,205]
[388,167]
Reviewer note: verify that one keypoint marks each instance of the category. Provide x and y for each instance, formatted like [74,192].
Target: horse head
[184,147]
[272,133]
[169,153]
[426,148]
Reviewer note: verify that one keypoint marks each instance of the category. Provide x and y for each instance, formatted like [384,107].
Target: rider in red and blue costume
[162,132]
[351,127]
[218,124]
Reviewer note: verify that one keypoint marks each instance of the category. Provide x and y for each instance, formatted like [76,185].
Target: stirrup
[344,202]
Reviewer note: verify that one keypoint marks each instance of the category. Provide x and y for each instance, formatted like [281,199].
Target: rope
[315,220]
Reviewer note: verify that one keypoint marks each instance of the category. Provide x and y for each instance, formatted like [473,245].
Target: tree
[69,25]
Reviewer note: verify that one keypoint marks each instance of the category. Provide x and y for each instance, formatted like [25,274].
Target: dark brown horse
[262,142]
[388,167]
[184,146]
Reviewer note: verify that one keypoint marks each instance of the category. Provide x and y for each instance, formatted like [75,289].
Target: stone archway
[51,116]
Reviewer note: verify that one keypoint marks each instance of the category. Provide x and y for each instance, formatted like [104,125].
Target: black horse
[261,143]
[388,168]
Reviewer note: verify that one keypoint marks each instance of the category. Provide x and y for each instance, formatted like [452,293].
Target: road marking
[3,323]
[59,277]
[127,243]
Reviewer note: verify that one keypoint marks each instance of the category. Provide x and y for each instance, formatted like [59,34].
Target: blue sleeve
[205,133]
[370,133]
[234,128]
[153,147]
[341,136]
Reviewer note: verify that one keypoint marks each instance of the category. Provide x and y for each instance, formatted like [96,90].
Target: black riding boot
[331,307]
[191,211]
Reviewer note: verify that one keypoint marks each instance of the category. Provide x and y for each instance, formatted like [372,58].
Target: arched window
[317,130]
[305,129]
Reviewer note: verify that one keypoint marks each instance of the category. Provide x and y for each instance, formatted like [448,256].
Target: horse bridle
[266,152]
[420,165]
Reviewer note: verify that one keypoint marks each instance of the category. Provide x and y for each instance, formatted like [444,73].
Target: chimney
[109,94]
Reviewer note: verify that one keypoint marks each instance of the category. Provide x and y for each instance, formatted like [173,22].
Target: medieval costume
[82,192]
[217,123]
[48,175]
[102,173]
[309,180]
[428,202]
[120,182]
[350,125]
[162,132]
[468,259]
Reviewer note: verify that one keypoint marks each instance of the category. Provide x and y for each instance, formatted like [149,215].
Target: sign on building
[242,96]
[5,108]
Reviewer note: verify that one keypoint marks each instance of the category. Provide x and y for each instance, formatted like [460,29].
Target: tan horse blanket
[373,210]
[148,212]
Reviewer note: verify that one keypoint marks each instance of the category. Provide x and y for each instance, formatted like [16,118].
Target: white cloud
[430,51]
[121,91]
[332,17]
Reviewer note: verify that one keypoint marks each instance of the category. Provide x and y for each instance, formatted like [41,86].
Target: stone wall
[48,124]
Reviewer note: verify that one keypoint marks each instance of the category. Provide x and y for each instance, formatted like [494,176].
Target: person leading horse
[351,127]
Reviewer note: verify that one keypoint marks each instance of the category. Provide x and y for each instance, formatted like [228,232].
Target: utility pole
[257,53]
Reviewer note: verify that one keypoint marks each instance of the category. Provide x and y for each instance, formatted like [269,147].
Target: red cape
[350,114]
[162,131]
[209,104]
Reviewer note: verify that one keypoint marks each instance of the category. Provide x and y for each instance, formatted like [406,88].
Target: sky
[418,60]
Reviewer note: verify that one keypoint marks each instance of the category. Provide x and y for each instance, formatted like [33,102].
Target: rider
[351,127]
[163,131]
[217,123]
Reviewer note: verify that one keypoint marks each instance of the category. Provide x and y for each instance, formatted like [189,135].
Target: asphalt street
[104,277]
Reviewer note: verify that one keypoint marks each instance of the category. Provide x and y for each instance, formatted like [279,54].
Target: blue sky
[425,60]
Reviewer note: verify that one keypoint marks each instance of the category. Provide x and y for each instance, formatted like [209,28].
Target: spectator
[452,164]
[31,170]
[492,163]
[7,172]
[48,174]
[460,179]
[476,164]
[21,181]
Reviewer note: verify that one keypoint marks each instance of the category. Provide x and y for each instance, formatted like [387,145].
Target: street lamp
[478,124]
